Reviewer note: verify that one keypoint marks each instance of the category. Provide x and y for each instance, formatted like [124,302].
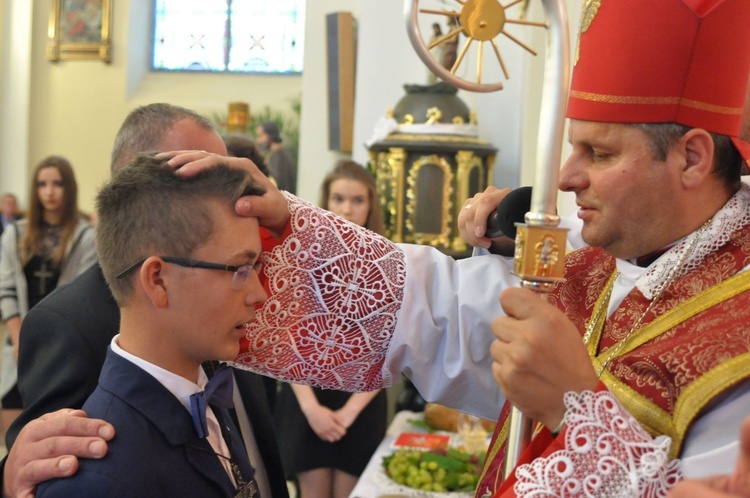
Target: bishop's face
[626,198]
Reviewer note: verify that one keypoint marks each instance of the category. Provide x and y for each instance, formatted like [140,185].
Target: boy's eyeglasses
[240,278]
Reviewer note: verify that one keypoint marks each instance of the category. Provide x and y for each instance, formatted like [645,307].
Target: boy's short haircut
[147,210]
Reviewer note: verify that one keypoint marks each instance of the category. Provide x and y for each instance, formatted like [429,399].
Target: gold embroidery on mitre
[623,99]
[629,99]
[589,9]
[704,106]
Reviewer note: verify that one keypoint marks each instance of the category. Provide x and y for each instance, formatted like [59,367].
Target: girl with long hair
[53,244]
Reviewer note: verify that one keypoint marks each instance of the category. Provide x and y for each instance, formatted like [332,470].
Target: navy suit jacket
[155,452]
[64,340]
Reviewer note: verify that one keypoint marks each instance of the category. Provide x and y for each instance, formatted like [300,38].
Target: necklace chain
[604,303]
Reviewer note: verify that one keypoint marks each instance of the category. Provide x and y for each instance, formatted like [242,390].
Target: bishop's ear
[699,156]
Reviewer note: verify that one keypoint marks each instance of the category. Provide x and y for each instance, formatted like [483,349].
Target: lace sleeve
[606,453]
[334,292]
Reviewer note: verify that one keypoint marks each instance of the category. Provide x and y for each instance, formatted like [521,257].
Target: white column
[15,84]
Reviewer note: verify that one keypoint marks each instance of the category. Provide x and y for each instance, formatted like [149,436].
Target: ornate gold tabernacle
[428,165]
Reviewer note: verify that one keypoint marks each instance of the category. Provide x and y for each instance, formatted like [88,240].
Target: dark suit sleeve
[57,367]
[90,485]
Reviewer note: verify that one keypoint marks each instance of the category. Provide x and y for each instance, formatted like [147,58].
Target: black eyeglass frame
[186,263]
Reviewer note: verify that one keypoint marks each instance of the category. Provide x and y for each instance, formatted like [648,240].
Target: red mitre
[660,61]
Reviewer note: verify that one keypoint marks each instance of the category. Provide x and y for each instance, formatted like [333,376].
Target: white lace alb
[607,454]
[731,217]
[335,291]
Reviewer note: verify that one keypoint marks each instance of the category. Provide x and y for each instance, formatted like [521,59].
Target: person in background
[349,191]
[242,145]
[280,163]
[8,211]
[51,247]
[326,436]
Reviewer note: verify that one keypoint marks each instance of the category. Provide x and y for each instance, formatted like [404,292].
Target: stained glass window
[248,36]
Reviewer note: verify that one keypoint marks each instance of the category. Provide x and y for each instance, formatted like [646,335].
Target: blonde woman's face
[348,198]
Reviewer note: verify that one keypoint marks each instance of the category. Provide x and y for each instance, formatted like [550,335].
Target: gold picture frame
[80,29]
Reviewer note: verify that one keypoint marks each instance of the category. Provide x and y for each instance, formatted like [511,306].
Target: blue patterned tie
[218,392]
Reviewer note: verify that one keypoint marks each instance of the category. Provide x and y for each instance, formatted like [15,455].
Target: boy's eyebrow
[250,255]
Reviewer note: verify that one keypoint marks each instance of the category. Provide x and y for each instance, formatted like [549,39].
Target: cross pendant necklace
[43,274]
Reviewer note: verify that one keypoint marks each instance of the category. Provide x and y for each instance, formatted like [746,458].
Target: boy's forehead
[234,235]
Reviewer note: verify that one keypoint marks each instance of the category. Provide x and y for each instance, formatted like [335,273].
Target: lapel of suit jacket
[135,387]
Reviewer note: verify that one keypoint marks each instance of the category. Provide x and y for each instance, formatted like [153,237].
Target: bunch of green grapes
[436,470]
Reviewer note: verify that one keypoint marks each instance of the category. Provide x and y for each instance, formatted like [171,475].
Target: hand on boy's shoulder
[49,447]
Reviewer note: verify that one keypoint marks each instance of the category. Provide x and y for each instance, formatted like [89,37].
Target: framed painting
[80,29]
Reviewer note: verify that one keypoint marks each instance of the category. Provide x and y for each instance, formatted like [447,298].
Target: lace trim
[336,289]
[731,217]
[607,453]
